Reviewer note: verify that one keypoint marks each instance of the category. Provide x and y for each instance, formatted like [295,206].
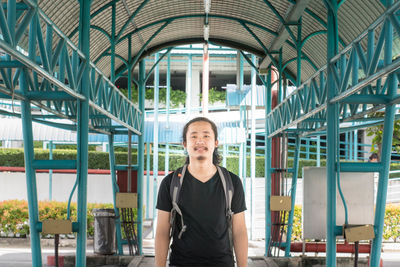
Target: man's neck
[202,170]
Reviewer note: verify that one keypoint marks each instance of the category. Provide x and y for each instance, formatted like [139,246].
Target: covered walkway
[64,57]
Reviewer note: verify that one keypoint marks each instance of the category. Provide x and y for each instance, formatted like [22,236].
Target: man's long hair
[216,157]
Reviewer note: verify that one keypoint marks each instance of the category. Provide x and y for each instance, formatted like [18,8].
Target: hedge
[100,160]
[14,217]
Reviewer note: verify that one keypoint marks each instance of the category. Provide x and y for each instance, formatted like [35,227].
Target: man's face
[200,141]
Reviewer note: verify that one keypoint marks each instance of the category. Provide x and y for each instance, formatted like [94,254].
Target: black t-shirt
[205,241]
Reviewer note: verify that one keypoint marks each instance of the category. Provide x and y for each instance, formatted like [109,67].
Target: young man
[202,201]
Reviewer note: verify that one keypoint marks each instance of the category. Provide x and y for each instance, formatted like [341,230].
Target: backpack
[176,186]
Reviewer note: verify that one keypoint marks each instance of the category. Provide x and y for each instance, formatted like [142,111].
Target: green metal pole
[50,172]
[142,85]
[30,175]
[386,149]
[355,145]
[130,69]
[280,81]
[268,170]
[115,187]
[299,46]
[240,85]
[244,146]
[297,151]
[253,144]
[318,151]
[189,86]
[354,81]
[148,180]
[112,45]
[129,169]
[83,133]
[332,124]
[111,137]
[293,195]
[11,20]
[168,107]
[155,142]
[26,117]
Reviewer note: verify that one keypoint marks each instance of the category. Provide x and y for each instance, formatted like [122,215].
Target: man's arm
[162,238]
[240,241]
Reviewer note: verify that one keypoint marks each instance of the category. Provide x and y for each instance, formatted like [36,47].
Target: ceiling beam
[293,15]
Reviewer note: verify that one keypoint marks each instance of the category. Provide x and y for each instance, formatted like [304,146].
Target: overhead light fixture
[207,6]
[206,32]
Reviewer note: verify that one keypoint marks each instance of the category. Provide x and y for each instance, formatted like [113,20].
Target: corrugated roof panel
[354,17]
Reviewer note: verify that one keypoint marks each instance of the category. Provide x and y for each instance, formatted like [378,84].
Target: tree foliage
[377,133]
[177,97]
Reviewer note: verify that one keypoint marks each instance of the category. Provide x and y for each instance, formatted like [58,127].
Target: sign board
[358,191]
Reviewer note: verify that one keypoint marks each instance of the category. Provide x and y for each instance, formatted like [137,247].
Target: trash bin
[104,231]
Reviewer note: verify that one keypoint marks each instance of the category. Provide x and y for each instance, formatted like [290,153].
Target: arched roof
[250,25]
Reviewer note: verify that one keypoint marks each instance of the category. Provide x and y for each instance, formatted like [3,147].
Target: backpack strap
[175,188]
[228,190]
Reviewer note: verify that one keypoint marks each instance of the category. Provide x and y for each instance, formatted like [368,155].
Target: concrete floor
[17,253]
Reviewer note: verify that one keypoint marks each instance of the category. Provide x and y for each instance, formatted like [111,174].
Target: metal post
[299,46]
[244,146]
[155,142]
[318,151]
[206,81]
[280,81]
[148,149]
[386,149]
[112,45]
[189,85]
[129,169]
[332,124]
[293,195]
[168,107]
[354,81]
[140,161]
[26,117]
[268,170]
[355,145]
[224,148]
[239,80]
[83,133]
[346,145]
[50,172]
[253,143]
[11,20]
[111,156]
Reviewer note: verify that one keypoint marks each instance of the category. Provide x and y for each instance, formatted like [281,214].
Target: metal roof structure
[64,56]
[230,132]
[258,26]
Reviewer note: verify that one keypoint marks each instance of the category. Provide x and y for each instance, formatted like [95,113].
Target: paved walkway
[17,253]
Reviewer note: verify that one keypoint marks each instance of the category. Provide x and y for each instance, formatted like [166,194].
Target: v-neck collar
[205,182]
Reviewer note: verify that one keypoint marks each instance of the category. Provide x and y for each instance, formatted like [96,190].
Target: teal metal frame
[140,160]
[155,137]
[115,187]
[268,169]
[392,85]
[332,117]
[83,135]
[88,99]
[353,84]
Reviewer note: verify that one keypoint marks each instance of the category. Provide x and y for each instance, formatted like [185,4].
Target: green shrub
[100,160]
[14,216]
